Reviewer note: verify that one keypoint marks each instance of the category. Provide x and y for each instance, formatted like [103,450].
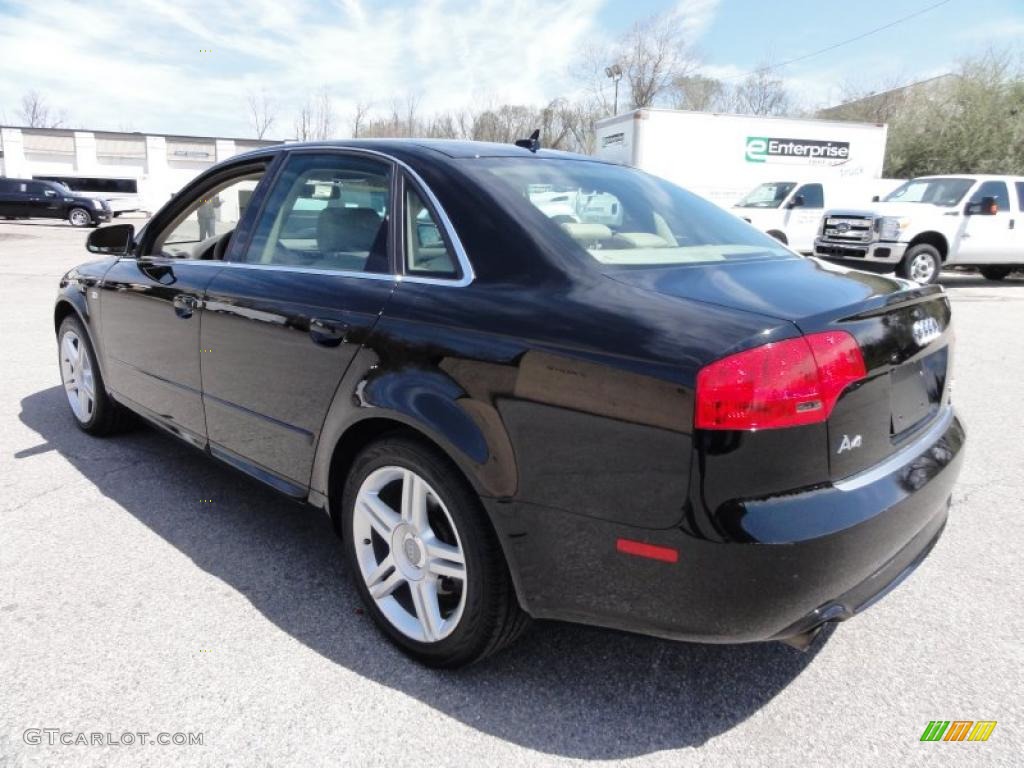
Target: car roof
[970,176]
[451,148]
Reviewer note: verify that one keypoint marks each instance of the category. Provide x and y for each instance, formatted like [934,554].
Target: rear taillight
[783,384]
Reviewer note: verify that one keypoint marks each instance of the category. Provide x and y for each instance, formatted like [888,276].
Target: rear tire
[79,217]
[93,410]
[416,533]
[922,264]
[995,272]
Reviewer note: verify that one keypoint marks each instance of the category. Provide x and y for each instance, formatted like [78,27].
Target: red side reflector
[638,548]
[782,384]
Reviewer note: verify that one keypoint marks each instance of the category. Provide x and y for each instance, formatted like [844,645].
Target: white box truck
[726,157]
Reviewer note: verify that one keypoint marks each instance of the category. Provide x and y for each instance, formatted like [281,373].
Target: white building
[121,164]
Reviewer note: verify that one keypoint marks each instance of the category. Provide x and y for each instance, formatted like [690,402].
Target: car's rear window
[621,216]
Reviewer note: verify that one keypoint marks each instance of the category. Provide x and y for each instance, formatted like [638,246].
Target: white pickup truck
[931,223]
[790,211]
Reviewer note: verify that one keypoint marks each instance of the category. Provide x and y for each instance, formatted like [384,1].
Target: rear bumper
[802,559]
[879,254]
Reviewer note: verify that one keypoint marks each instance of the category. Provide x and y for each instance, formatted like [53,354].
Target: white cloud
[138,62]
[695,16]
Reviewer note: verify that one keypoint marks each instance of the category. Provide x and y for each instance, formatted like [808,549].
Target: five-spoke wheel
[409,554]
[92,408]
[424,556]
[76,371]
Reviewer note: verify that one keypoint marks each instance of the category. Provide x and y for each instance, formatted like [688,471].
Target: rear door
[15,199]
[7,197]
[285,317]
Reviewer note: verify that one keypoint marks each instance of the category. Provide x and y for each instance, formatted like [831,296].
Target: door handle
[1013,223]
[327,334]
[185,304]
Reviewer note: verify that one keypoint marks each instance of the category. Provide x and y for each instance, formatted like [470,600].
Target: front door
[44,201]
[989,239]
[802,221]
[150,314]
[151,307]
[286,316]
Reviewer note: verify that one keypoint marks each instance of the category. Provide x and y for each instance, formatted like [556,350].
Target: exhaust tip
[803,641]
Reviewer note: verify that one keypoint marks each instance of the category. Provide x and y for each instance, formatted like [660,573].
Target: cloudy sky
[185,66]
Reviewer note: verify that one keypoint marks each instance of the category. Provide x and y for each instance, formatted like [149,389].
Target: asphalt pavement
[146,589]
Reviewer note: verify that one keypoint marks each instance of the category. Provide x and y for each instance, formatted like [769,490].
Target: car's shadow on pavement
[562,689]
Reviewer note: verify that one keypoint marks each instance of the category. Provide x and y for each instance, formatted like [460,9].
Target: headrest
[586,232]
[347,229]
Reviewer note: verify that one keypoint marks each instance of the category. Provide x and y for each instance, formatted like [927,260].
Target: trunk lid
[903,330]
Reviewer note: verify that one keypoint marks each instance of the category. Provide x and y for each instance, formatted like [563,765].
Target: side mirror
[875,198]
[115,240]
[797,202]
[988,206]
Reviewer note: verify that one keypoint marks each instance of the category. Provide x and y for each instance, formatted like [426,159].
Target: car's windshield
[621,216]
[767,195]
[945,192]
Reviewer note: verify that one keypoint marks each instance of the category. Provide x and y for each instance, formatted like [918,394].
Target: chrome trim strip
[468,275]
[902,457]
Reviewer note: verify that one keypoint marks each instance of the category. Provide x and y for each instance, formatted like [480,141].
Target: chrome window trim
[467,277]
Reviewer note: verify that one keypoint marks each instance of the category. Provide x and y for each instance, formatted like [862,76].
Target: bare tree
[36,113]
[361,112]
[700,93]
[652,54]
[315,121]
[761,93]
[262,112]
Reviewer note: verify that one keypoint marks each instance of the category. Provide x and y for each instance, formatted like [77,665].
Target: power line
[832,47]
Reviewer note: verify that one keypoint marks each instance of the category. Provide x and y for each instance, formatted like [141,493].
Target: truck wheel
[994,272]
[921,264]
[79,217]
[780,236]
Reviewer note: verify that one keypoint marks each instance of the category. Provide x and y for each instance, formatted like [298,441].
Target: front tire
[93,410]
[79,217]
[423,556]
[922,264]
[994,272]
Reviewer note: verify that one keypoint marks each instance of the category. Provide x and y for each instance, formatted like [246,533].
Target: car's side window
[426,252]
[326,211]
[813,195]
[996,189]
[208,222]
[1020,195]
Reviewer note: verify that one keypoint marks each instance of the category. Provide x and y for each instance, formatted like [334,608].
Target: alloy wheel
[79,217]
[409,554]
[77,374]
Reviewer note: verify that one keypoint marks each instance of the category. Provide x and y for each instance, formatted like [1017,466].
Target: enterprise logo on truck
[762,149]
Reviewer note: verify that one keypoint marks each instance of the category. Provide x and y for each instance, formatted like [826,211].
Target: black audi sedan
[531,384]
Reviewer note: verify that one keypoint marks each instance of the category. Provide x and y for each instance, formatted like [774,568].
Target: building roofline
[143,134]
